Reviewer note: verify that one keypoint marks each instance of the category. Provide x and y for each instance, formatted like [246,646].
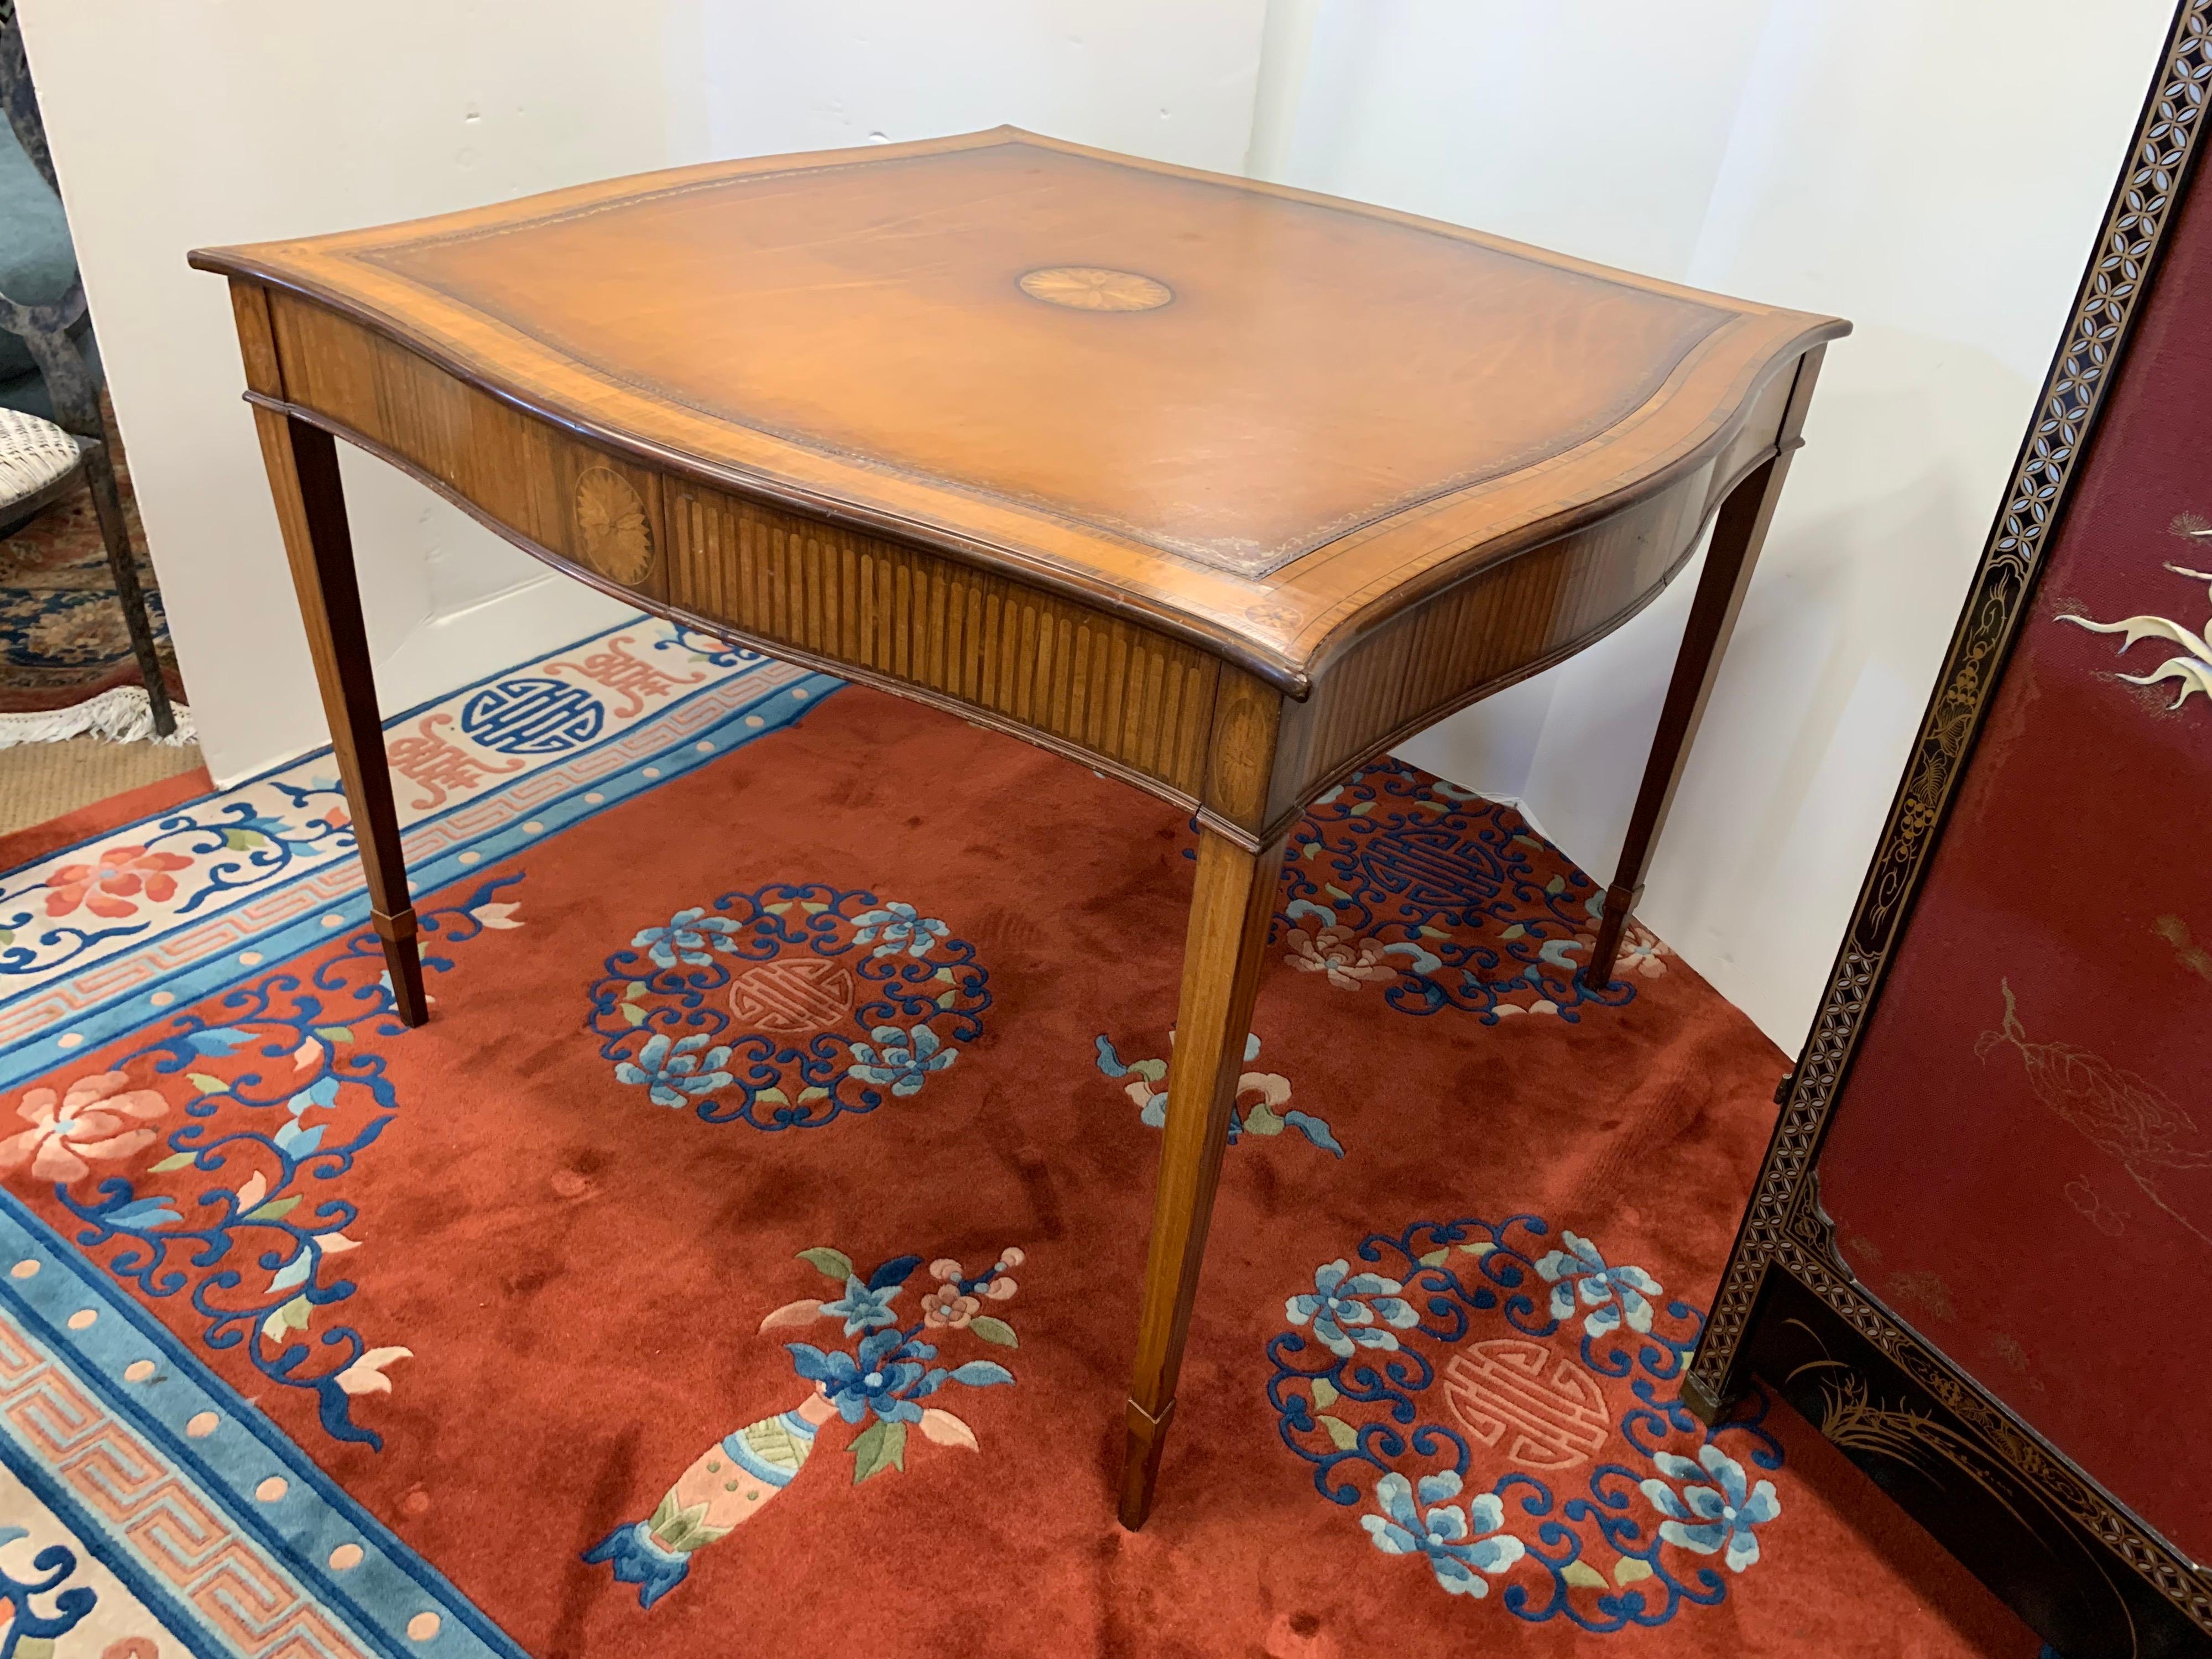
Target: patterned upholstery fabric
[37,262]
[33,454]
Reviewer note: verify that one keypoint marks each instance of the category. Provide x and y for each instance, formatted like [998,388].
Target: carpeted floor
[745,1258]
[42,781]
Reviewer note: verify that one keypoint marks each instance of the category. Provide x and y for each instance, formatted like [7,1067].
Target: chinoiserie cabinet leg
[1233,901]
[1717,1374]
[1739,532]
[303,475]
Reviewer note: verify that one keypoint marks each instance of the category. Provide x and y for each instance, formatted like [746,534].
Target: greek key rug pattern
[102,936]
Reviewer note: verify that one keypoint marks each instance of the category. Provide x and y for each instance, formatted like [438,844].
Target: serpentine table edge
[1243,722]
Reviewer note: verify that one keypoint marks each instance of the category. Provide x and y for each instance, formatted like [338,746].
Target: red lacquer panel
[2021,1163]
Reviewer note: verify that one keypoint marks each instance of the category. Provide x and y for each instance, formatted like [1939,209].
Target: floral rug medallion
[1500,1401]
[788,1006]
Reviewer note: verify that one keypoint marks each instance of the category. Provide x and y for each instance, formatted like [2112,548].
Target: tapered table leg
[303,475]
[1738,533]
[1230,909]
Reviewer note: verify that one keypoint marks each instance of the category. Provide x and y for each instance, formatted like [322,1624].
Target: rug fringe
[122,716]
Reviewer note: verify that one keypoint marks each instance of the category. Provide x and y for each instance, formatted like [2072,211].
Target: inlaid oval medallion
[611,527]
[1095,288]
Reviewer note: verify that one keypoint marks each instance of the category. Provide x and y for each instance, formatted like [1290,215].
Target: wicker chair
[43,460]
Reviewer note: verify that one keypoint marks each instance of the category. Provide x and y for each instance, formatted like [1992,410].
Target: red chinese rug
[746,1257]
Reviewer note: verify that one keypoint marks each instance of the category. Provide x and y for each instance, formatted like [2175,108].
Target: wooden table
[1218,488]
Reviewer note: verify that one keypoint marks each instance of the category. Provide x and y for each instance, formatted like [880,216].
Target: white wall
[1931,171]
[257,118]
[1161,78]
[204,123]
[1934,173]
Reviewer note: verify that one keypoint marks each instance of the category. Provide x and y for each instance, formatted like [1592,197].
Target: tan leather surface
[1257,415]
[1314,369]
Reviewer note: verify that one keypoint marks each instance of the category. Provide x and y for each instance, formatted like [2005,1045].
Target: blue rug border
[88,1535]
[776,708]
[34,1055]
[388,722]
[242,1509]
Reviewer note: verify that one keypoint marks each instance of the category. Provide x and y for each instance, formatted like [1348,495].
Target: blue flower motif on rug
[672,1071]
[1351,1310]
[1510,1448]
[1440,899]
[789,1005]
[1607,1294]
[901,1060]
[1720,1516]
[1459,1543]
[696,645]
[690,936]
[879,1385]
[896,927]
[235,1208]
[864,1307]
